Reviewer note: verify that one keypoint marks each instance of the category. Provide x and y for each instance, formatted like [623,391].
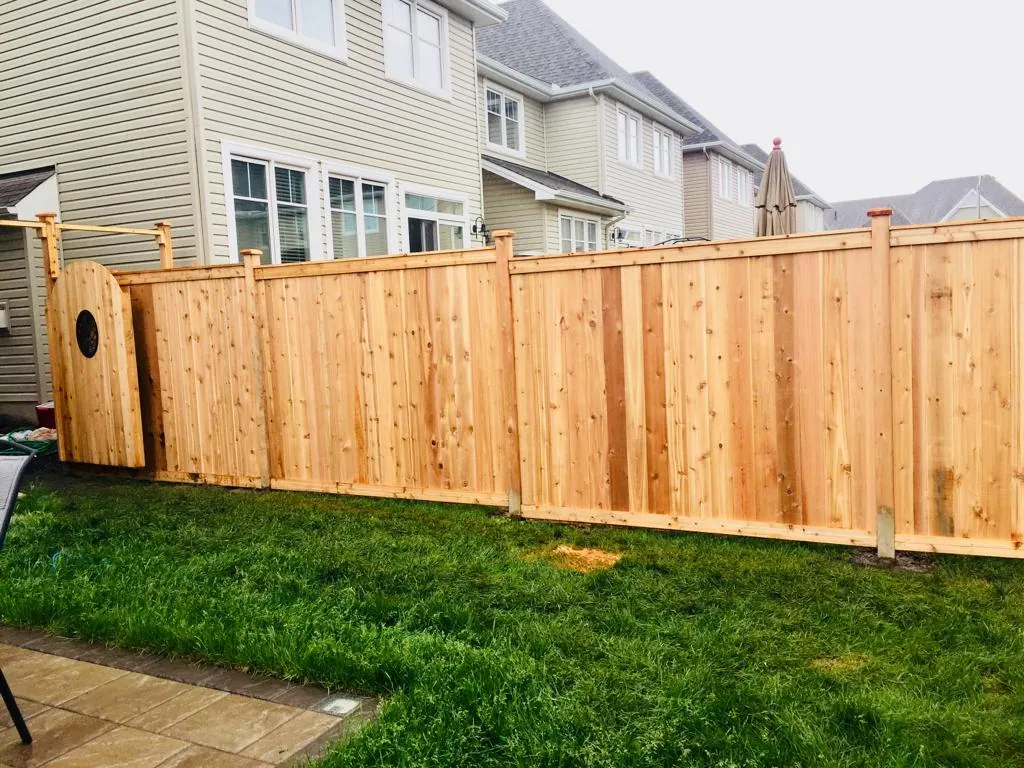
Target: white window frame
[235,151]
[359,175]
[575,216]
[743,181]
[506,95]
[725,170]
[623,136]
[442,15]
[659,134]
[337,51]
[442,194]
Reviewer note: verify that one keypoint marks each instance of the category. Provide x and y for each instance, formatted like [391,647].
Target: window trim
[338,51]
[443,194]
[445,91]
[505,94]
[624,158]
[657,132]
[565,213]
[231,151]
[725,172]
[354,173]
[746,197]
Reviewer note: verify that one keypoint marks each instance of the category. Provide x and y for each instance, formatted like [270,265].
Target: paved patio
[90,706]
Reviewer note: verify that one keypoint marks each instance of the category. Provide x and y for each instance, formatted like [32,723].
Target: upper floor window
[359,217]
[742,186]
[435,223]
[630,138]
[270,203]
[663,165]
[504,120]
[316,24]
[724,178]
[577,234]
[416,44]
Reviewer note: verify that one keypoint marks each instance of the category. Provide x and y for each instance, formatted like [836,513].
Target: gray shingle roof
[536,41]
[554,181]
[14,187]
[928,205]
[759,154]
[708,131]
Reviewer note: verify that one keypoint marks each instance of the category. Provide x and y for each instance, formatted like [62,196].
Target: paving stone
[232,723]
[287,739]
[126,697]
[121,748]
[54,732]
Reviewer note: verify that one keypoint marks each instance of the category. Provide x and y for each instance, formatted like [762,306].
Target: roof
[15,187]
[538,43]
[930,204]
[545,181]
[801,189]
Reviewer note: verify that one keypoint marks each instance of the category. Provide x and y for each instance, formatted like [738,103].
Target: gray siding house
[311,129]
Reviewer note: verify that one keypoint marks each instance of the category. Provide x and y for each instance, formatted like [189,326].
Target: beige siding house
[311,129]
[601,155]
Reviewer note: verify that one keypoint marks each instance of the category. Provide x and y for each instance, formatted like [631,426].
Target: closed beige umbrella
[775,206]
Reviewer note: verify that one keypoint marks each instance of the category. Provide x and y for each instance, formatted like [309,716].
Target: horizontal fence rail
[860,387]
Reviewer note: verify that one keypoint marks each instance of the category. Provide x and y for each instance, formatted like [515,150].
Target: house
[718,175]
[968,197]
[811,208]
[577,154]
[310,129]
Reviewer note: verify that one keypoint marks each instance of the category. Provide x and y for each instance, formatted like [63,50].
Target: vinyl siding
[262,91]
[696,191]
[729,218]
[655,202]
[809,217]
[19,382]
[94,87]
[571,129]
[536,155]
[509,206]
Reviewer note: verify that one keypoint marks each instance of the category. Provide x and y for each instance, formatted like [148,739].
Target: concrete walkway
[90,706]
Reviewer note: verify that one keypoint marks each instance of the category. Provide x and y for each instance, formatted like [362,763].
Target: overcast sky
[870,98]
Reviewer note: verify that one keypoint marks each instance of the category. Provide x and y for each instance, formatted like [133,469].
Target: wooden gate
[92,350]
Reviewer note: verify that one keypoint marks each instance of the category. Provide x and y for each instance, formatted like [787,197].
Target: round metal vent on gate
[87,333]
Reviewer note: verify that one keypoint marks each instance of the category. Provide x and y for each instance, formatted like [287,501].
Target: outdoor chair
[11,470]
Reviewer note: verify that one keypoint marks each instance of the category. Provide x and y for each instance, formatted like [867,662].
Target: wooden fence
[804,387]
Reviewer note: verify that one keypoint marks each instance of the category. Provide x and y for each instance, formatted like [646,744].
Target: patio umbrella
[775,206]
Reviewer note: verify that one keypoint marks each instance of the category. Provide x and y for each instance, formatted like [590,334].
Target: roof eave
[814,199]
[494,70]
[544,193]
[483,13]
[733,153]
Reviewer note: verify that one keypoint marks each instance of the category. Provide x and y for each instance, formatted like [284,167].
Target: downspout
[600,140]
[711,201]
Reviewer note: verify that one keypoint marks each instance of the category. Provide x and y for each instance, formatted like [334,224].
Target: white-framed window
[272,204]
[577,234]
[360,214]
[742,186]
[505,118]
[315,24]
[435,220]
[416,45]
[663,154]
[631,138]
[724,178]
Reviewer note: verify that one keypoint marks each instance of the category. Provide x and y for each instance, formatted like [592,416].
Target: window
[577,234]
[504,121]
[663,165]
[359,219]
[724,178]
[435,223]
[630,138]
[742,186]
[317,24]
[270,204]
[416,44]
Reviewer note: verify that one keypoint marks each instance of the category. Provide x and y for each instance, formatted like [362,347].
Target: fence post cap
[875,212]
[503,233]
[164,223]
[46,216]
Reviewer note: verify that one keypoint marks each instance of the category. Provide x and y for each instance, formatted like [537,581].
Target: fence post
[48,235]
[506,328]
[251,260]
[884,411]
[163,240]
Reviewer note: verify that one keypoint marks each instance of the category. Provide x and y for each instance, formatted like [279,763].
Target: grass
[691,651]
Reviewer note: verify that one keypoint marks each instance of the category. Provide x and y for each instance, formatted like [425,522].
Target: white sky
[869,98]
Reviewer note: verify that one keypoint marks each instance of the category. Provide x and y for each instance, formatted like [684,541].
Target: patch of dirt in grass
[914,562]
[582,560]
[841,664]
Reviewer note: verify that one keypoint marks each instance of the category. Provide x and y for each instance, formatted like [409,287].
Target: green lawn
[692,651]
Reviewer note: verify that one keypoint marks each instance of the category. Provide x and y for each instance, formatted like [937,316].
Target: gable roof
[548,185]
[708,133]
[802,190]
[930,204]
[555,59]
[15,187]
